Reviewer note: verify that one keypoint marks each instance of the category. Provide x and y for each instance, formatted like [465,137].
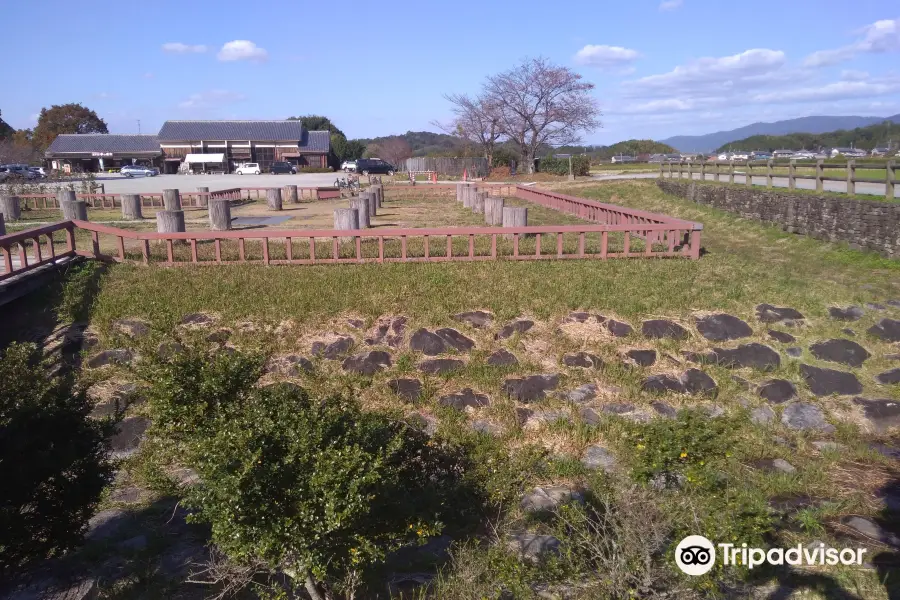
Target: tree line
[29,145]
[865,138]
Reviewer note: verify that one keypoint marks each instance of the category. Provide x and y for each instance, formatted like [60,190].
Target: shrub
[53,460]
[309,486]
[581,165]
[315,170]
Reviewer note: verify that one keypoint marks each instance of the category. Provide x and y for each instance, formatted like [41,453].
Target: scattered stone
[777,391]
[486,428]
[884,414]
[762,415]
[794,352]
[168,349]
[135,544]
[581,394]
[886,329]
[356,323]
[289,366]
[523,414]
[777,464]
[892,356]
[824,382]
[723,327]
[467,398]
[875,306]
[333,350]
[502,358]
[773,314]
[114,398]
[845,352]
[889,377]
[805,417]
[753,355]
[662,328]
[127,495]
[426,423]
[436,549]
[455,339]
[107,524]
[475,318]
[530,388]
[408,389]
[532,546]
[617,328]
[182,557]
[696,381]
[429,344]
[598,457]
[542,417]
[186,477]
[367,363]
[885,450]
[578,317]
[823,446]
[198,320]
[664,410]
[118,356]
[894,303]
[851,313]
[589,416]
[549,498]
[848,331]
[871,530]
[517,326]
[781,336]
[440,366]
[219,337]
[643,358]
[667,481]
[582,359]
[662,384]
[388,331]
[133,328]
[618,408]
[789,503]
[128,436]
[741,382]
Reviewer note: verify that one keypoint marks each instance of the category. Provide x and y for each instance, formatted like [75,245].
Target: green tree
[317,123]
[53,460]
[65,118]
[5,129]
[308,486]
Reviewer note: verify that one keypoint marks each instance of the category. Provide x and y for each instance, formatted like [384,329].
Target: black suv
[372,166]
[282,167]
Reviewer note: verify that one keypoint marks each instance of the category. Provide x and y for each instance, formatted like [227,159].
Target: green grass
[723,180]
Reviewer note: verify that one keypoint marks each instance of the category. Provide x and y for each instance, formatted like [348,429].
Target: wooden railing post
[820,172]
[731,171]
[661,169]
[690,170]
[748,178]
[769,172]
[851,177]
[890,180]
[792,171]
[703,170]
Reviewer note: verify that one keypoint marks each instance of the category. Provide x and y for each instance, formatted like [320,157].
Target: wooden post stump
[172,200]
[203,196]
[346,219]
[379,194]
[362,206]
[65,196]
[290,194]
[273,198]
[220,215]
[478,205]
[131,207]
[373,203]
[170,221]
[11,207]
[514,216]
[493,211]
[75,211]
[469,196]
[460,191]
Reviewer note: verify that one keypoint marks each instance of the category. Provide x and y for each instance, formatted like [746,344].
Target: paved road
[874,189]
[116,184]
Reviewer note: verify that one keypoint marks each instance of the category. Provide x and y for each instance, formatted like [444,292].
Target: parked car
[4,174]
[248,169]
[372,166]
[348,165]
[21,171]
[138,170]
[282,167]
[39,170]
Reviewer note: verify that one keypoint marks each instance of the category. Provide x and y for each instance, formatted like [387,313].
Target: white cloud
[179,48]
[605,56]
[242,50]
[879,37]
[851,75]
[839,90]
[704,75]
[670,5]
[211,99]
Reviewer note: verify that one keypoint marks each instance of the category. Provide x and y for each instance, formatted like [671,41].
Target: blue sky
[660,68]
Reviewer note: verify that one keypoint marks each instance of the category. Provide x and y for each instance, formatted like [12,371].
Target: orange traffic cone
[465,174]
[434,177]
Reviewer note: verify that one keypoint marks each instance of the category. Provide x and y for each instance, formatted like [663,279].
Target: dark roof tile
[103,142]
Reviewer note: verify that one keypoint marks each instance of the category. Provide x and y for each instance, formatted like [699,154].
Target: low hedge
[581,165]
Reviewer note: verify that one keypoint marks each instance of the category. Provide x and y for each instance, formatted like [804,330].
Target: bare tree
[476,120]
[540,103]
[393,149]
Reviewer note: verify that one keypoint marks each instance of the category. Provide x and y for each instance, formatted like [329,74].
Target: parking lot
[116,184]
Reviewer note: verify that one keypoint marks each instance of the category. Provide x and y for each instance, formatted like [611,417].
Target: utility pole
[139,126]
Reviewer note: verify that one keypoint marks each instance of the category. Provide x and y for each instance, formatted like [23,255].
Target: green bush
[53,460]
[581,165]
[309,486]
[315,170]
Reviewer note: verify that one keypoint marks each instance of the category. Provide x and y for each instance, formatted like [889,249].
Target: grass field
[280,310]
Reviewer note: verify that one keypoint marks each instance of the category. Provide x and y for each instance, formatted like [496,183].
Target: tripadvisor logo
[696,555]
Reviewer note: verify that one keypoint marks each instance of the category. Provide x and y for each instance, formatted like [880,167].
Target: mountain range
[816,124]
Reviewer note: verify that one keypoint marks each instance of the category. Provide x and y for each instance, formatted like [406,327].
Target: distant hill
[865,138]
[425,143]
[711,141]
